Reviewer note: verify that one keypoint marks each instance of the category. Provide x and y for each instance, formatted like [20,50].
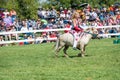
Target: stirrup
[74,48]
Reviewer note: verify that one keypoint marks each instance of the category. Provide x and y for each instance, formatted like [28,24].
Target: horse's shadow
[75,56]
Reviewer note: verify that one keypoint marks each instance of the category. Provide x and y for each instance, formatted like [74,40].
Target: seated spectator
[38,24]
[39,39]
[44,34]
[118,18]
[111,21]
[1,39]
[52,35]
[17,25]
[33,26]
[68,25]
[44,23]
[13,30]
[30,38]
[24,27]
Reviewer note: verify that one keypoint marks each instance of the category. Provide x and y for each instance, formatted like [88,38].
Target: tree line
[28,8]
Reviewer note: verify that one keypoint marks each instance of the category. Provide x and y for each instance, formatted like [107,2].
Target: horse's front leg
[64,50]
[82,54]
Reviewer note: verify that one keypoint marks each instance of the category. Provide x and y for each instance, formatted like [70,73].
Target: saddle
[78,34]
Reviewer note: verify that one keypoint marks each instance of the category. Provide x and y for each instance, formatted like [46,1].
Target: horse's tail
[57,44]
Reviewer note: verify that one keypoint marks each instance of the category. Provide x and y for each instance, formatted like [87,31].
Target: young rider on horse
[76,21]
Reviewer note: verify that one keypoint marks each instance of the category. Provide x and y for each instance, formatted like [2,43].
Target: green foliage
[24,8]
[28,8]
[2,3]
[37,62]
[93,3]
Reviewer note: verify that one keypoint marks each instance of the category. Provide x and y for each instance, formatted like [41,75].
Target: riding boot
[75,44]
[75,41]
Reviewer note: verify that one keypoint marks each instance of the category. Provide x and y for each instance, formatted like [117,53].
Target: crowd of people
[62,18]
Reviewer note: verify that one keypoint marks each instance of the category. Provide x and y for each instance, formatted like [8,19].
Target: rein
[93,35]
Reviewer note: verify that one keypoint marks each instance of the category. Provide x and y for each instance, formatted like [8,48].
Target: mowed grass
[38,62]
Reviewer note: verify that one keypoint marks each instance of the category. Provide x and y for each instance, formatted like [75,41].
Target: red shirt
[67,26]
[45,33]
[118,16]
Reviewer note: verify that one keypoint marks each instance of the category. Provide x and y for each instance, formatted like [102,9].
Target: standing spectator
[6,13]
[112,8]
[53,12]
[61,9]
[1,15]
[8,21]
[13,15]
[39,12]
[65,11]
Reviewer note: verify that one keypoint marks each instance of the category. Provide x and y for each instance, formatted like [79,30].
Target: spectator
[62,15]
[44,23]
[118,18]
[1,15]
[7,20]
[39,12]
[17,25]
[112,9]
[69,26]
[30,38]
[6,13]
[25,26]
[1,39]
[38,24]
[13,15]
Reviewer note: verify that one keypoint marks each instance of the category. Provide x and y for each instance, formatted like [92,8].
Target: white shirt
[6,13]
[24,29]
[62,15]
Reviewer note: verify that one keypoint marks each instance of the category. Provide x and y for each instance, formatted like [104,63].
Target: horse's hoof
[79,55]
[66,56]
[82,55]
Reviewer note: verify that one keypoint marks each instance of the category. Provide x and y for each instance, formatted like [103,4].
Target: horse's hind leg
[58,49]
[64,50]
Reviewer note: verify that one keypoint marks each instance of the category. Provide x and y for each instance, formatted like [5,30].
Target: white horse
[65,40]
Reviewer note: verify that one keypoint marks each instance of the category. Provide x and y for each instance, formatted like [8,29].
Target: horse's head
[93,31]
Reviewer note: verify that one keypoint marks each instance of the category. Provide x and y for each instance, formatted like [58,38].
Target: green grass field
[37,62]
